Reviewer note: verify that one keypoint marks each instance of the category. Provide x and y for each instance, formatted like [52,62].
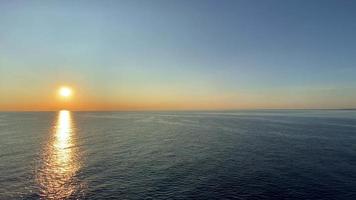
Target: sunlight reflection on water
[56,175]
[178,155]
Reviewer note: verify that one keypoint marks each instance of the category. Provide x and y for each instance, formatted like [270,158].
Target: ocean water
[260,154]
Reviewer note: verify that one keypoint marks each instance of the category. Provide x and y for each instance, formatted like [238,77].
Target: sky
[178,55]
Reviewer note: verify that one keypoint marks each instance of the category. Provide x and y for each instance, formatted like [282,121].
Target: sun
[65,91]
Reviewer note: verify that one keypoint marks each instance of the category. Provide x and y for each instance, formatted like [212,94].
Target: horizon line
[177,110]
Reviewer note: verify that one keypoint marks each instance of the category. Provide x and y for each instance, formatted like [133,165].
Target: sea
[242,154]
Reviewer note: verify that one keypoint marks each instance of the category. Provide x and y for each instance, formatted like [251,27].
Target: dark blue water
[305,154]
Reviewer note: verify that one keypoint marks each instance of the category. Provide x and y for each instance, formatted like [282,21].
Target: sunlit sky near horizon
[133,55]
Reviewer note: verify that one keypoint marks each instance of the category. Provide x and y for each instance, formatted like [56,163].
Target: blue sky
[180,54]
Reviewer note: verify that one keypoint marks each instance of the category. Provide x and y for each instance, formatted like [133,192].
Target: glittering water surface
[276,154]
[59,162]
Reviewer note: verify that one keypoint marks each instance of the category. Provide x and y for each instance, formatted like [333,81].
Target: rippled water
[276,154]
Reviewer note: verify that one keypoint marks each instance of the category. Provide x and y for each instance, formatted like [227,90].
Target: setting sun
[65,91]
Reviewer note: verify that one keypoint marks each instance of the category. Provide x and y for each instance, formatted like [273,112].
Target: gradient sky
[123,55]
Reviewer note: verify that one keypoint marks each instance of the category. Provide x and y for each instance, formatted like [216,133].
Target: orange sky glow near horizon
[83,100]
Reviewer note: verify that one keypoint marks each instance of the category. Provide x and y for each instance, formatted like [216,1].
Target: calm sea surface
[276,154]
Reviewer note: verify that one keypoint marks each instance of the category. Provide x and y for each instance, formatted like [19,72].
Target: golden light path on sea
[59,163]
